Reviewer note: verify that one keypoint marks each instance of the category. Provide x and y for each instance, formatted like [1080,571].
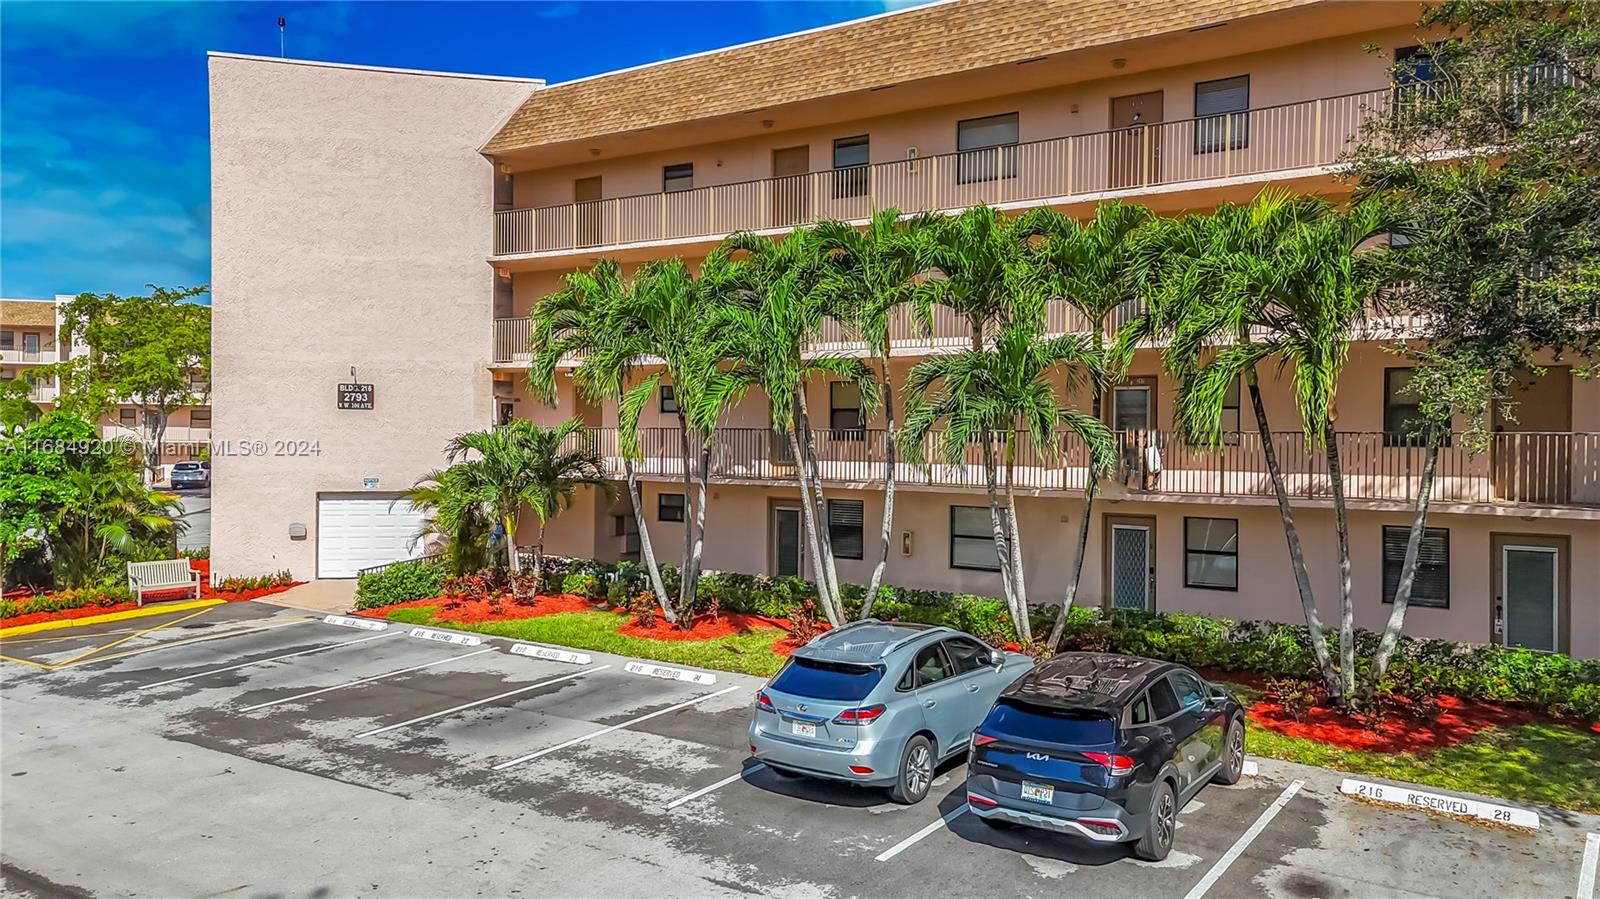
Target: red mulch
[478,611]
[704,628]
[1457,721]
[150,599]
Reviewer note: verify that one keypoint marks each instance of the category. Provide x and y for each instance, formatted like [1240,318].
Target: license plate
[804,730]
[1038,792]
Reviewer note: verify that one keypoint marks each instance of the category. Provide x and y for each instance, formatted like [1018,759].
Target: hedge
[63,600]
[1543,681]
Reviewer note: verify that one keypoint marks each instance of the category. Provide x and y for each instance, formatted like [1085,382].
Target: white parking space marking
[758,766]
[606,730]
[910,841]
[364,680]
[486,700]
[1194,805]
[1591,857]
[287,655]
[1244,841]
[170,644]
[1249,768]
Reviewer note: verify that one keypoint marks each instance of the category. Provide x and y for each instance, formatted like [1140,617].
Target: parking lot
[257,752]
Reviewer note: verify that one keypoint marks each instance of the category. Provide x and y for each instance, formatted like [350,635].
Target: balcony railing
[1253,142]
[1548,469]
[28,357]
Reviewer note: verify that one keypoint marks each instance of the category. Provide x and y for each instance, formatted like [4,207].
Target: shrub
[64,600]
[400,582]
[203,552]
[584,585]
[239,584]
[643,608]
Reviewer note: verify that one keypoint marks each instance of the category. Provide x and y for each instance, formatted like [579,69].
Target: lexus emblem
[800,708]
[1038,756]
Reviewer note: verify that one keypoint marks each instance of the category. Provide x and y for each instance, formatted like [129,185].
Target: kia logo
[1038,756]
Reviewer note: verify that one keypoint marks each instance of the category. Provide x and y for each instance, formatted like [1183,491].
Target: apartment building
[391,231]
[31,336]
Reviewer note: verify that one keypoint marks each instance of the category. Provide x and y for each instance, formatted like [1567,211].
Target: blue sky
[104,181]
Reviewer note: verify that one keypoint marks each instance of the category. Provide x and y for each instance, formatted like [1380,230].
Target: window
[851,155]
[507,412]
[1416,80]
[200,418]
[1211,553]
[844,408]
[1039,724]
[1139,712]
[930,666]
[669,507]
[669,399]
[1163,703]
[972,539]
[1191,690]
[1230,414]
[677,177]
[1432,586]
[968,655]
[1222,114]
[832,681]
[988,148]
[845,532]
[127,417]
[1402,415]
[8,340]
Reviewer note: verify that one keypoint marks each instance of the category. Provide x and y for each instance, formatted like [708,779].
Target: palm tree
[455,514]
[998,395]
[773,309]
[111,515]
[520,463]
[1097,267]
[596,315]
[1277,279]
[978,258]
[872,277]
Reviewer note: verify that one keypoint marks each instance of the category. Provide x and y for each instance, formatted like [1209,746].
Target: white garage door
[358,532]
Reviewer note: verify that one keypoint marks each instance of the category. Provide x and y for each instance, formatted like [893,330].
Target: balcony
[28,357]
[174,434]
[44,393]
[1531,469]
[1125,162]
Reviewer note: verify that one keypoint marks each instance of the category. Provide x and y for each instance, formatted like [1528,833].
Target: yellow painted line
[232,632]
[21,629]
[147,630]
[26,662]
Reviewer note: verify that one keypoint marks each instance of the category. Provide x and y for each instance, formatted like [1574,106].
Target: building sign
[355,396]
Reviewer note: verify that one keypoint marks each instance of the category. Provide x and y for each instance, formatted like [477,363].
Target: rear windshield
[827,680]
[1072,727]
[188,466]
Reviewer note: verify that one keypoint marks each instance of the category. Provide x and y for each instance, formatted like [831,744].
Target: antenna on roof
[280,37]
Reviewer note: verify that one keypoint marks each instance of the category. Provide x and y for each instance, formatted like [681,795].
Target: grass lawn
[747,653]
[1551,764]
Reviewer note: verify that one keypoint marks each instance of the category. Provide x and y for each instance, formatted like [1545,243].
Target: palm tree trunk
[808,512]
[1002,545]
[513,561]
[888,493]
[688,517]
[1071,595]
[824,534]
[1408,568]
[646,550]
[538,555]
[1019,580]
[1291,534]
[1341,521]
[690,574]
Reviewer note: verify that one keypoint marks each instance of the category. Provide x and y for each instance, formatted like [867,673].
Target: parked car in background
[879,704]
[1106,747]
[191,474]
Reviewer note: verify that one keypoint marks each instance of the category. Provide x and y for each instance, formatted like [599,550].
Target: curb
[1409,796]
[110,616]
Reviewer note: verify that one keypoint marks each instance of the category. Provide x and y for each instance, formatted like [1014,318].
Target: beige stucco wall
[350,221]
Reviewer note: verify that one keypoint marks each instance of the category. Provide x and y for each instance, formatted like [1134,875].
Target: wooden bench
[156,577]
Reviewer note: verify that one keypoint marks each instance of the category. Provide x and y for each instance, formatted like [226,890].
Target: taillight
[981,800]
[763,701]
[981,740]
[1117,764]
[863,715]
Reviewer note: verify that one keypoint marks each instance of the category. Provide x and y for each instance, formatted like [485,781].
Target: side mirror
[998,658]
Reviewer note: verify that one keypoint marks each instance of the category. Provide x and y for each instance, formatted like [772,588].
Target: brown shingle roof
[942,39]
[28,313]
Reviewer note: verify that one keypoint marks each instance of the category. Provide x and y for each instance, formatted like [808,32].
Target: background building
[394,229]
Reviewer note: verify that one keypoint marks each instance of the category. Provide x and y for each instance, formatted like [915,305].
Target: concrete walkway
[329,596]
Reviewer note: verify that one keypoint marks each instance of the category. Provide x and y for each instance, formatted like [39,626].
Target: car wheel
[916,772]
[1157,839]
[1232,754]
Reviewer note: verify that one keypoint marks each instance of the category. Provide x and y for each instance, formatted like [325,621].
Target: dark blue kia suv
[1105,747]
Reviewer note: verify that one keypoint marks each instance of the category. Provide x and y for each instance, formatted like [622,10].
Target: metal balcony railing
[1548,469]
[1253,142]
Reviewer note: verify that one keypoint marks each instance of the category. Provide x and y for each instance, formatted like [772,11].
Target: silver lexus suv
[879,704]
